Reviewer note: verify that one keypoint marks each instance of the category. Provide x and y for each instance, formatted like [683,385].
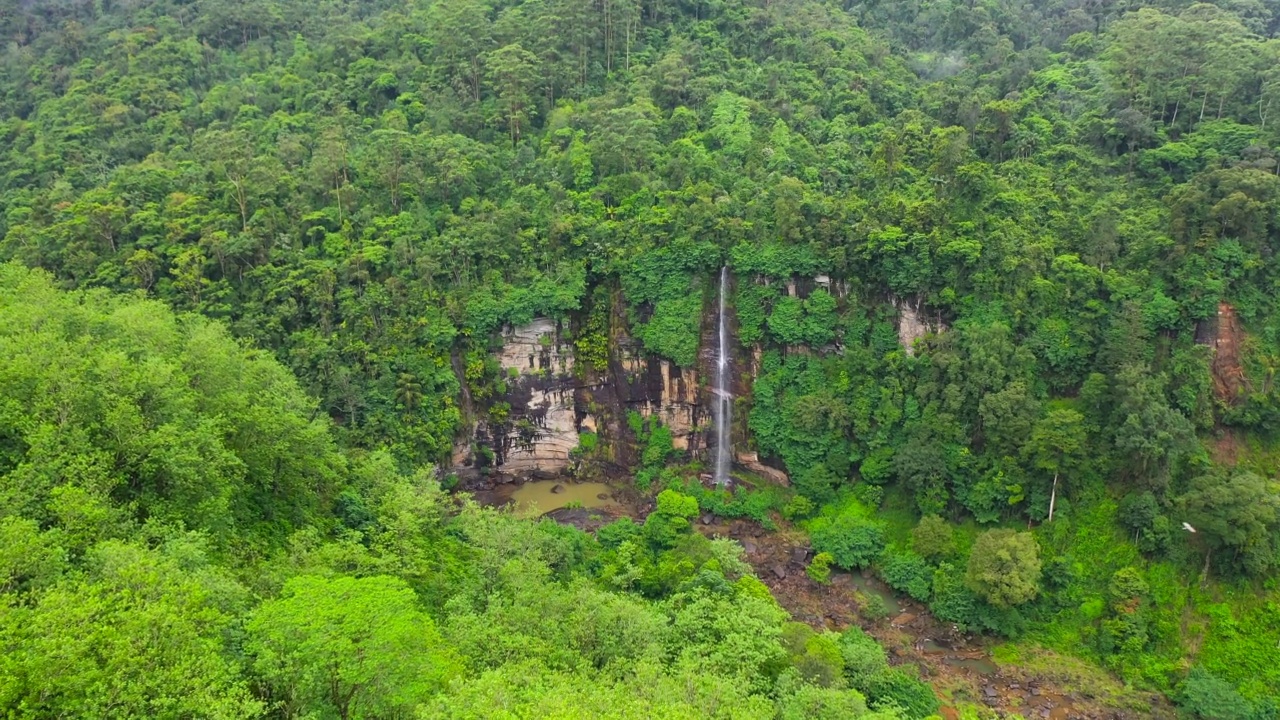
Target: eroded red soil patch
[1228,373]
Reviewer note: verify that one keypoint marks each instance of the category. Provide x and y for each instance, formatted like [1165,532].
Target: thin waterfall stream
[724,401]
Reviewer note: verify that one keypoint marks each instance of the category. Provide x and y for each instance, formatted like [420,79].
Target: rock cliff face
[552,403]
[913,324]
[545,421]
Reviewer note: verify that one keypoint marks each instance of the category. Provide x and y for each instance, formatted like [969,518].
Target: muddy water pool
[537,498]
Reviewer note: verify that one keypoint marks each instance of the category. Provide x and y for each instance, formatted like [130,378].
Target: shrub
[817,483]
[866,667]
[617,532]
[868,494]
[864,658]
[798,507]
[670,520]
[896,687]
[877,467]
[932,538]
[907,572]
[1203,695]
[819,569]
[816,655]
[658,447]
[852,541]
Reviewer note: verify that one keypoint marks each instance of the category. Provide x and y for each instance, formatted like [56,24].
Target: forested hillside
[1005,273]
[180,538]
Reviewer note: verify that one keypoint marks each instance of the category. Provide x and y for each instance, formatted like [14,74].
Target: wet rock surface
[550,403]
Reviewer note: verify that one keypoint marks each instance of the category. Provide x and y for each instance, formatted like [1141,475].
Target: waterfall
[723,404]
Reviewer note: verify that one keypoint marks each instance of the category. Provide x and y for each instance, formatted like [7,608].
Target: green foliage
[819,568]
[954,602]
[591,345]
[119,412]
[1004,567]
[1204,696]
[868,494]
[809,322]
[750,308]
[1058,201]
[354,647]
[854,542]
[670,519]
[907,572]
[645,691]
[673,330]
[1238,648]
[740,501]
[137,621]
[933,538]
[806,702]
[817,483]
[1141,514]
[1237,513]
[798,507]
[815,655]
[867,670]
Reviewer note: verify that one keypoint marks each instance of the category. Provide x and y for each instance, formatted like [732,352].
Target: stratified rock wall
[552,404]
[544,424]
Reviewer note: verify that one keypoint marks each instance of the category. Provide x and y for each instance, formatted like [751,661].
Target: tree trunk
[1053,495]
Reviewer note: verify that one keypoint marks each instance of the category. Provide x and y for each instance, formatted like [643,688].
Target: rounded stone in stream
[708,518]
[602,496]
[780,571]
[557,488]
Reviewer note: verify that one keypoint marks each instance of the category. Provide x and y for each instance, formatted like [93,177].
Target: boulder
[557,488]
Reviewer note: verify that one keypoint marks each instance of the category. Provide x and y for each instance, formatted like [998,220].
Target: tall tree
[1057,444]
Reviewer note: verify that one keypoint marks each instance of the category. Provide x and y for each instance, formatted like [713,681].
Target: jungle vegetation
[258,251]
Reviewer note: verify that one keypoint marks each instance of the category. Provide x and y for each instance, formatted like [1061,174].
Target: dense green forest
[260,252]
[181,537]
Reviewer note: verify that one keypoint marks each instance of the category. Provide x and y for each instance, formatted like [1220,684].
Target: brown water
[535,498]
